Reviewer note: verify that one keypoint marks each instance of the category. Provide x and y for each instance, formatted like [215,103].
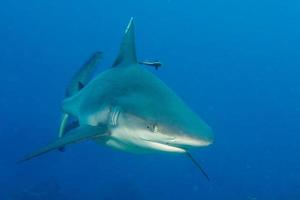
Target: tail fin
[83,75]
[78,81]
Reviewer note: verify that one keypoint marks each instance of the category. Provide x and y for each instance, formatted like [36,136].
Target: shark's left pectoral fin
[197,164]
[76,135]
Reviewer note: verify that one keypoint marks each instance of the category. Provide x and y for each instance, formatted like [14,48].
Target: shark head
[175,128]
[141,133]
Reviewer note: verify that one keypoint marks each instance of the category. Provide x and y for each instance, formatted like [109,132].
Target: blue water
[235,63]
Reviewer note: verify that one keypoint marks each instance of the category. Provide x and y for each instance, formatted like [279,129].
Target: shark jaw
[137,140]
[132,133]
[143,146]
[128,141]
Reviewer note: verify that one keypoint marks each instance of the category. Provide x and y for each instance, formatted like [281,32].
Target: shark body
[128,108]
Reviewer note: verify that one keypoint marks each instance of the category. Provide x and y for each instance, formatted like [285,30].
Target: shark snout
[184,139]
[190,139]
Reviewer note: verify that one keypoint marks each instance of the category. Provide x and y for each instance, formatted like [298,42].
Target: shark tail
[84,74]
[76,135]
[79,80]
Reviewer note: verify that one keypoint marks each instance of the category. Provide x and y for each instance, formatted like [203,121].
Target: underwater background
[235,63]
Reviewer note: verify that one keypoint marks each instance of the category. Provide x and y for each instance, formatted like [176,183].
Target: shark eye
[153,128]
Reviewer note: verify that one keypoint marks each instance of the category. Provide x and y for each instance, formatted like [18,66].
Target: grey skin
[128,108]
[77,82]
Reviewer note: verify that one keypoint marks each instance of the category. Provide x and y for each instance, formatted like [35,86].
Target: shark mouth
[176,144]
[187,142]
[165,147]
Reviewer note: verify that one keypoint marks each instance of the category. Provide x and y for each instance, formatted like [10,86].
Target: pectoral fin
[197,164]
[76,135]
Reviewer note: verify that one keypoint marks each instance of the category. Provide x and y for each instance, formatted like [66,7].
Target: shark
[127,107]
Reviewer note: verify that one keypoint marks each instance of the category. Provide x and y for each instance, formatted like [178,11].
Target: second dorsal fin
[127,54]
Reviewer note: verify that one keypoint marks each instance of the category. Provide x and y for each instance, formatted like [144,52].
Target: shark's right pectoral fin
[76,135]
[197,164]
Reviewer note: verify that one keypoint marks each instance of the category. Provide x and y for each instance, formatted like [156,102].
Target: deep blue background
[236,63]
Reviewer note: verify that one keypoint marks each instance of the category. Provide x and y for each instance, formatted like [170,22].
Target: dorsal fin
[127,55]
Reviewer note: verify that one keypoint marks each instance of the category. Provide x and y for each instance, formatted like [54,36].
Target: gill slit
[114,115]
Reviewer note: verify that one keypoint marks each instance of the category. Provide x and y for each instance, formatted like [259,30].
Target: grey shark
[128,108]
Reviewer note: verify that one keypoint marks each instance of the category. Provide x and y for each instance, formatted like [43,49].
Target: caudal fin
[79,80]
[83,75]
